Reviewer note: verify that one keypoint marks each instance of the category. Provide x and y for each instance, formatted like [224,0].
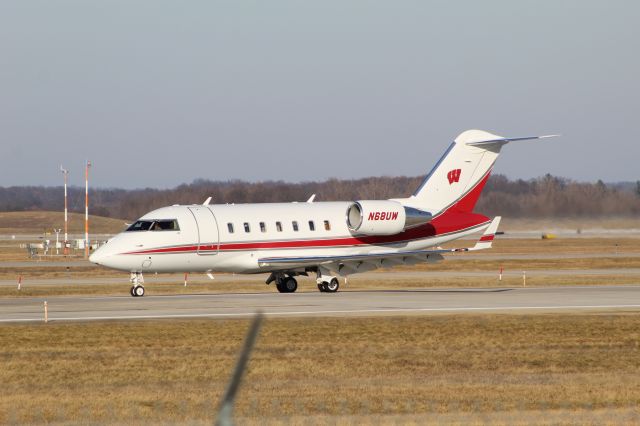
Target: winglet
[310,200]
[486,239]
[207,201]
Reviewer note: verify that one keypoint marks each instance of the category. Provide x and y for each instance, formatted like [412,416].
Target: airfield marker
[524,278]
[500,274]
[46,312]
[186,276]
[65,172]
[86,209]
[19,281]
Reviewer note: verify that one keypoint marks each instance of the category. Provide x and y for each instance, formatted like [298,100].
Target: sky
[159,93]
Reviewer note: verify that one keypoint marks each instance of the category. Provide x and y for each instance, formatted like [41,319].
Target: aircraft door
[208,237]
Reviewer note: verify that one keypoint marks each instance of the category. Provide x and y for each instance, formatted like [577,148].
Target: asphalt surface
[343,303]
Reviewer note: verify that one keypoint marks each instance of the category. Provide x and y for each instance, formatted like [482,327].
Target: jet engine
[387,217]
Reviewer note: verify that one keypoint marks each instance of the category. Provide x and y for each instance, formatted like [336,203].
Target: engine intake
[371,217]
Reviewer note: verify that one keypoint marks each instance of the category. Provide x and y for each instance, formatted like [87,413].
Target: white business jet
[329,239]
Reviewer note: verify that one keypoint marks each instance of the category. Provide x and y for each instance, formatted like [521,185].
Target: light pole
[86,209]
[65,172]
[57,231]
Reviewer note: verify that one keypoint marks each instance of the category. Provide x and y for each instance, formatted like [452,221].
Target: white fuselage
[231,238]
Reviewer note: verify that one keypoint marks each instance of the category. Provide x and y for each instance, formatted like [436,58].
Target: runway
[344,303]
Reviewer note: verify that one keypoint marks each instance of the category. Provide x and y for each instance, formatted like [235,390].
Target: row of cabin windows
[294,225]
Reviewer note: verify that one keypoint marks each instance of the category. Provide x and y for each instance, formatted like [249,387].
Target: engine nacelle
[372,217]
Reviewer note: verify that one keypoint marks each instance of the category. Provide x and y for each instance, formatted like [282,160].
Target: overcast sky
[158,93]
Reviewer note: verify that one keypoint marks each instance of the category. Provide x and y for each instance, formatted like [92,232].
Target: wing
[350,264]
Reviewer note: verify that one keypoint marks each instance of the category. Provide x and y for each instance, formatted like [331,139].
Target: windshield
[154,225]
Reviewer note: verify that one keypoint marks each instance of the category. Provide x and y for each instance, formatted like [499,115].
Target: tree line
[547,196]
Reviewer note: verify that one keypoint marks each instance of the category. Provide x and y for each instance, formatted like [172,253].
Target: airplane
[330,239]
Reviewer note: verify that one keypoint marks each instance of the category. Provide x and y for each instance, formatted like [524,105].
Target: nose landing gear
[137,289]
[326,283]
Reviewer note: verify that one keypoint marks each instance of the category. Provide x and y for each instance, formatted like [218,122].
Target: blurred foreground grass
[340,370]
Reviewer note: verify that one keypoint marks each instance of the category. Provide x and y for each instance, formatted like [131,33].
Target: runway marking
[325,312]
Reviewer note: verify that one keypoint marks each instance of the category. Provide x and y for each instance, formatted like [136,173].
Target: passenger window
[295,225]
[327,225]
[230,227]
[279,226]
[312,226]
[263,227]
[247,228]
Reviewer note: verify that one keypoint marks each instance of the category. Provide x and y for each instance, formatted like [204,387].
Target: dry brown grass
[461,264]
[42,271]
[160,286]
[37,222]
[546,225]
[563,245]
[363,369]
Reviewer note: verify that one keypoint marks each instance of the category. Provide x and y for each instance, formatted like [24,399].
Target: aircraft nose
[97,257]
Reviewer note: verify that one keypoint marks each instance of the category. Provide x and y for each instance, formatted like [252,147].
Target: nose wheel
[327,283]
[329,286]
[137,289]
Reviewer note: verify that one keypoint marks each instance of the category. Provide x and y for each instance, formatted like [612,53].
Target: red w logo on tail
[454,176]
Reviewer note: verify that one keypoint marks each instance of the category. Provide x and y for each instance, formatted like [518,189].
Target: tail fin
[458,178]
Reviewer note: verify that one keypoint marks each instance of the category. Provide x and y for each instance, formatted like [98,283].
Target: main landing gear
[284,283]
[137,289]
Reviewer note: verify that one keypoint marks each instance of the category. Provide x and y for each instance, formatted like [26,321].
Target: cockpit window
[165,225]
[155,225]
[140,225]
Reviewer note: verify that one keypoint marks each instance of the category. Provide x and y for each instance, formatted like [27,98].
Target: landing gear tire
[287,285]
[131,291]
[322,287]
[331,286]
[138,291]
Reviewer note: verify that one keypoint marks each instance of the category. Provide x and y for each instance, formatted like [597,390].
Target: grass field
[510,224]
[159,286]
[516,367]
[37,222]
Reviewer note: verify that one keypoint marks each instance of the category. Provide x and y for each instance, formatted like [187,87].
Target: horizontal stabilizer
[503,141]
[487,238]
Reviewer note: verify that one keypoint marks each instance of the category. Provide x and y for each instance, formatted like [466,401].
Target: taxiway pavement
[343,303]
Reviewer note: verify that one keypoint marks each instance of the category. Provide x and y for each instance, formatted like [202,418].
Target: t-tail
[458,178]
